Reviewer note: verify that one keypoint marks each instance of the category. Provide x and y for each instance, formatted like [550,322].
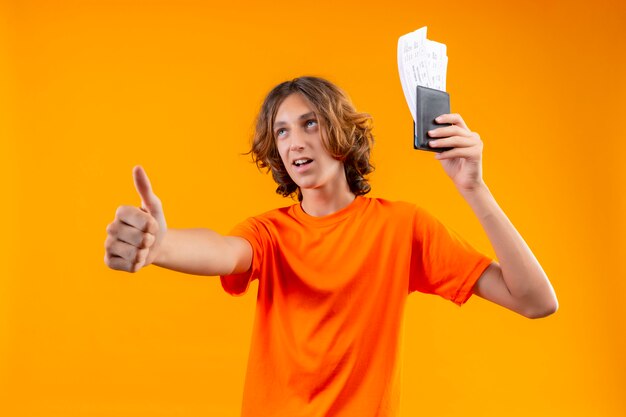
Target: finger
[442,132]
[117,263]
[124,250]
[137,218]
[467,153]
[130,235]
[452,142]
[121,264]
[142,184]
[453,118]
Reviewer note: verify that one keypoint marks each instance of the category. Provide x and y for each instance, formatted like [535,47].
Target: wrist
[473,190]
[479,199]
[161,251]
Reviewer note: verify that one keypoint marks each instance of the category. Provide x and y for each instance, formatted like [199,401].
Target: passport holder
[430,104]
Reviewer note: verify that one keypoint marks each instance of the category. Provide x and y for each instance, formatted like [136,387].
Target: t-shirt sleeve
[238,284]
[442,262]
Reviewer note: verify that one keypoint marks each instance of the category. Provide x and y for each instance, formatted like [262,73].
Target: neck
[323,201]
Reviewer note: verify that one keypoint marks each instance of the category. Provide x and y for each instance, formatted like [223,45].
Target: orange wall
[90,88]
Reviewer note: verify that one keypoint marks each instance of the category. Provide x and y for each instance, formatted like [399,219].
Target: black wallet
[430,104]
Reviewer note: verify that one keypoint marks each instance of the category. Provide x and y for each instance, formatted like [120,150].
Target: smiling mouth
[301,162]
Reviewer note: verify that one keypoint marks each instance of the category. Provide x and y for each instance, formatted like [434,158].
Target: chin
[308,185]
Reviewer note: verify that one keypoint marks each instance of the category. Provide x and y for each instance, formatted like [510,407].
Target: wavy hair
[348,134]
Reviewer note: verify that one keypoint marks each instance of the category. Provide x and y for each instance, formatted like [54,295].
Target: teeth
[299,162]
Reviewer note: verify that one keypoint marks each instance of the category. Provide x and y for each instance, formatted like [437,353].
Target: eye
[280,132]
[311,123]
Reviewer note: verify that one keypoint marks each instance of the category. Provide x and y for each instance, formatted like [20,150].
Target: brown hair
[348,133]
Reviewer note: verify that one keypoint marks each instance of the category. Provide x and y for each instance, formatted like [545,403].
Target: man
[334,270]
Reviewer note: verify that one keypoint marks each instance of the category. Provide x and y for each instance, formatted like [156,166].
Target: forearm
[196,251]
[521,271]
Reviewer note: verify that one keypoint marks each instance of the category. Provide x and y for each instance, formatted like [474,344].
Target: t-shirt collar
[335,217]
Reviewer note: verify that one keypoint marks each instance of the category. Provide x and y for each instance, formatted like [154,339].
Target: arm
[203,252]
[518,282]
[138,237]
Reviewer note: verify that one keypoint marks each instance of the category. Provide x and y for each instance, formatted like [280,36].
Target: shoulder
[263,227]
[403,212]
[276,213]
[392,207]
[270,218]
[390,213]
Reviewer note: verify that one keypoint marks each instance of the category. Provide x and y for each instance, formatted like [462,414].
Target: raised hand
[134,237]
[463,163]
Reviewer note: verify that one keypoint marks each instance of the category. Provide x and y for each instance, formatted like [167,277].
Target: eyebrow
[304,116]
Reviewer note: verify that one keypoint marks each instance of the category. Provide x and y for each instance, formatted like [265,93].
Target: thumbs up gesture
[135,235]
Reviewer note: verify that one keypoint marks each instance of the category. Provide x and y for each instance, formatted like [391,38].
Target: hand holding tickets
[135,235]
[422,66]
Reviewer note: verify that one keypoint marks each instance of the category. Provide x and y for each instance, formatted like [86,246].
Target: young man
[334,270]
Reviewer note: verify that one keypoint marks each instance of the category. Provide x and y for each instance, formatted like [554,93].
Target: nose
[296,142]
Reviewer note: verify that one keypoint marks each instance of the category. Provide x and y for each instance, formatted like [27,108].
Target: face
[298,138]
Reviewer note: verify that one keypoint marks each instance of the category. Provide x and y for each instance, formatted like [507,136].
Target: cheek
[281,151]
[330,161]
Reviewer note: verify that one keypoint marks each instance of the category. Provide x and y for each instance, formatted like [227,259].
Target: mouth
[301,162]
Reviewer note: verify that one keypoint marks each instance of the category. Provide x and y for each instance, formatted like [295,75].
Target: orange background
[90,88]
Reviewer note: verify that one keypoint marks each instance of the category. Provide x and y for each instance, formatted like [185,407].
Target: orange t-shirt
[330,303]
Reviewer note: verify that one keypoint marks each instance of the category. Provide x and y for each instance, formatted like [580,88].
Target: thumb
[149,200]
